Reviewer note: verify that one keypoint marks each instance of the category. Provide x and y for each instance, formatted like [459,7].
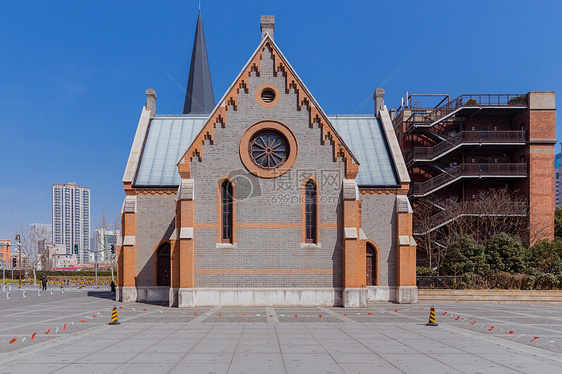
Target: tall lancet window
[227,204]
[310,212]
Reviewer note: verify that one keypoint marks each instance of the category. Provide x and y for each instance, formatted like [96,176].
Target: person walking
[44,282]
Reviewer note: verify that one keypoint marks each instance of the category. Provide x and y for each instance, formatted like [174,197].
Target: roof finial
[199,5]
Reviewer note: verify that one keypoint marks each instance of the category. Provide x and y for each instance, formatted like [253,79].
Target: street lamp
[19,255]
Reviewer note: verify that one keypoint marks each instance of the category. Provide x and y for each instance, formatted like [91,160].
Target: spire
[199,97]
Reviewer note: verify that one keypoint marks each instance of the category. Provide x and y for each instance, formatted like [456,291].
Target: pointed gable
[305,101]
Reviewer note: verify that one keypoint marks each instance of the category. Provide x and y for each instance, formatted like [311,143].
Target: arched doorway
[371,265]
[163,265]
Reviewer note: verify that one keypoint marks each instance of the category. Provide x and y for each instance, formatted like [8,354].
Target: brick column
[128,254]
[184,227]
[542,138]
[406,292]
[354,281]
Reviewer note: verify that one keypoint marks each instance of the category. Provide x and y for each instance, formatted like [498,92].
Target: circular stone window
[268,95]
[268,149]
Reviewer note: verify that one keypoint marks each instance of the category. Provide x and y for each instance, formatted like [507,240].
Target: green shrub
[464,255]
[506,253]
[425,271]
[546,256]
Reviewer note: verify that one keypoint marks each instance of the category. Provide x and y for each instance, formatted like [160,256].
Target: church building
[263,199]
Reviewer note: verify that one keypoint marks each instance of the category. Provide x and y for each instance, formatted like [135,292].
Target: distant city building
[102,242]
[59,258]
[557,189]
[71,219]
[41,237]
[5,253]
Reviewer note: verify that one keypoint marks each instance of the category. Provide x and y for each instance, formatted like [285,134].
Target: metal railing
[502,208]
[472,170]
[478,100]
[429,116]
[428,153]
[427,281]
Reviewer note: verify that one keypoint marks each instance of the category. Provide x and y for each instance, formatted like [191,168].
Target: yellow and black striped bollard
[114,317]
[432,320]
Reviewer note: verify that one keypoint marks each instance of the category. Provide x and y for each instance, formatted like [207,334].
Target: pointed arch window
[227,204]
[310,212]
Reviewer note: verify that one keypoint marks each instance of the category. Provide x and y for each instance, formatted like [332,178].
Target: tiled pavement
[385,338]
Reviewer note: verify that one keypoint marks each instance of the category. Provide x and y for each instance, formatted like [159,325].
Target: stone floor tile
[200,368]
[304,368]
[207,358]
[254,368]
[257,358]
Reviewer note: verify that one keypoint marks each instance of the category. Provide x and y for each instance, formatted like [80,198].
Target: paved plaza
[69,333]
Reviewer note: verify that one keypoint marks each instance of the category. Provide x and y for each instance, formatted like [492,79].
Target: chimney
[151,101]
[379,101]
[267,25]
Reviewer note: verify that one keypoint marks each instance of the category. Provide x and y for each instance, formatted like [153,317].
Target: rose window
[268,149]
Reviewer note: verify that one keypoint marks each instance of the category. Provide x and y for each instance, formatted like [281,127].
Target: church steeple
[199,97]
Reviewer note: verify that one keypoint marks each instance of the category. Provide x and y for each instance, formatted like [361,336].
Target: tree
[102,245]
[546,256]
[558,222]
[33,241]
[439,222]
[506,253]
[464,256]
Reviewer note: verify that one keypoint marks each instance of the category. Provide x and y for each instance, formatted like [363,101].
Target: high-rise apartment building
[71,218]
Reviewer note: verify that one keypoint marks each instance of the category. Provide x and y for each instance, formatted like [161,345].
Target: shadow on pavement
[102,294]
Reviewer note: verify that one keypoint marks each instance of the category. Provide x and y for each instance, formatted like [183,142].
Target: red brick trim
[268,125]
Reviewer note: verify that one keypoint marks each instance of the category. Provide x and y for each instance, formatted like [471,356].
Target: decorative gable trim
[230,102]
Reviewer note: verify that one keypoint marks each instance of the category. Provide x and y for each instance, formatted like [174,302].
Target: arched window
[310,212]
[371,265]
[226,211]
[163,265]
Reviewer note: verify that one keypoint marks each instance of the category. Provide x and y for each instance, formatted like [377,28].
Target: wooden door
[163,265]
[371,265]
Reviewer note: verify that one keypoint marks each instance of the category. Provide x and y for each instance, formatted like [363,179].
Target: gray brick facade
[378,220]
[268,260]
[155,222]
[274,201]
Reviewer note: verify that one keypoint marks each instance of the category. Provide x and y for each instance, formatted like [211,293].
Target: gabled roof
[170,135]
[282,66]
[199,98]
[365,136]
[167,139]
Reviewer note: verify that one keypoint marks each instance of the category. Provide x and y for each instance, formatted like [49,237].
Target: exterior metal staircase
[472,170]
[429,154]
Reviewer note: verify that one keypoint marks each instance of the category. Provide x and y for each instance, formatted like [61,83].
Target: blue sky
[73,74]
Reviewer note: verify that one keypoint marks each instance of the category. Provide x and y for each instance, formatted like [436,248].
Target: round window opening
[268,149]
[268,95]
